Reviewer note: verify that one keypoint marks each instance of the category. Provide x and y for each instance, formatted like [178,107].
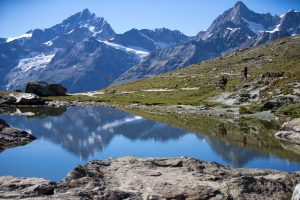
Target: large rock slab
[290,131]
[21,99]
[163,178]
[45,89]
[19,188]
[10,137]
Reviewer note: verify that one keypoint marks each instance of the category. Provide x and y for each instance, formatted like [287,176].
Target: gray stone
[272,74]
[10,137]
[277,103]
[18,188]
[45,89]
[21,99]
[163,178]
[290,131]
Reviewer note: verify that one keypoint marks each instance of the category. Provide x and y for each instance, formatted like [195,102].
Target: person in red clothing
[244,73]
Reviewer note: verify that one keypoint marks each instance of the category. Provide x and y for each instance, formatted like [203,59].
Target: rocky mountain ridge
[56,55]
[236,28]
[38,54]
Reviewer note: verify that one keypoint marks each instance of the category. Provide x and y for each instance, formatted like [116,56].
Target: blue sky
[188,16]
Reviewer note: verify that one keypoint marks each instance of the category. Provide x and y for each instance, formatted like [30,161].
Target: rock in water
[45,89]
[290,131]
[163,178]
[10,137]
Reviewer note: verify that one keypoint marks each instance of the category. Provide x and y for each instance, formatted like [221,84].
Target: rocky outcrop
[170,178]
[10,137]
[18,188]
[21,99]
[290,131]
[277,102]
[45,89]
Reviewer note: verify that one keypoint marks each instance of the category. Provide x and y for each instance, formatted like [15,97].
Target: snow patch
[275,29]
[49,43]
[70,31]
[110,126]
[26,68]
[141,54]
[255,27]
[26,35]
[35,63]
[232,29]
[206,37]
[92,28]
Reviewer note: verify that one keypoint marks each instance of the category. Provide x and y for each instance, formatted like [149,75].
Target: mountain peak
[240,7]
[291,10]
[240,4]
[86,14]
[86,11]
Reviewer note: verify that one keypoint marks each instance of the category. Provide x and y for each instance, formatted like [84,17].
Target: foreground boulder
[10,137]
[17,188]
[21,99]
[44,89]
[171,178]
[290,131]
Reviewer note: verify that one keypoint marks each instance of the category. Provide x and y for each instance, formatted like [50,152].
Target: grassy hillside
[195,84]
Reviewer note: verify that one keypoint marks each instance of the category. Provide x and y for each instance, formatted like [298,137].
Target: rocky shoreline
[155,178]
[137,178]
[290,131]
[179,109]
[29,100]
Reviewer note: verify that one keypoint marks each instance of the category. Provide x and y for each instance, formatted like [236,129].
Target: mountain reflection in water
[86,132]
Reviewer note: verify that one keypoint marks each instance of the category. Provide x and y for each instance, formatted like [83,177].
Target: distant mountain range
[84,53]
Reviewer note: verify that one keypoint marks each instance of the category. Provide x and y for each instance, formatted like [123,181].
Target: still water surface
[71,136]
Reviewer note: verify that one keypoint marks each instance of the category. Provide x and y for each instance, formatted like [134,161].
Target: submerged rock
[45,89]
[10,137]
[163,178]
[290,131]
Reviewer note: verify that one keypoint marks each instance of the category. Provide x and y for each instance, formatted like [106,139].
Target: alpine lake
[68,136]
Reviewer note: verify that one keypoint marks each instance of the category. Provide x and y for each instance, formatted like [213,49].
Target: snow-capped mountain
[23,58]
[150,40]
[80,53]
[238,27]
[84,53]
[84,66]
